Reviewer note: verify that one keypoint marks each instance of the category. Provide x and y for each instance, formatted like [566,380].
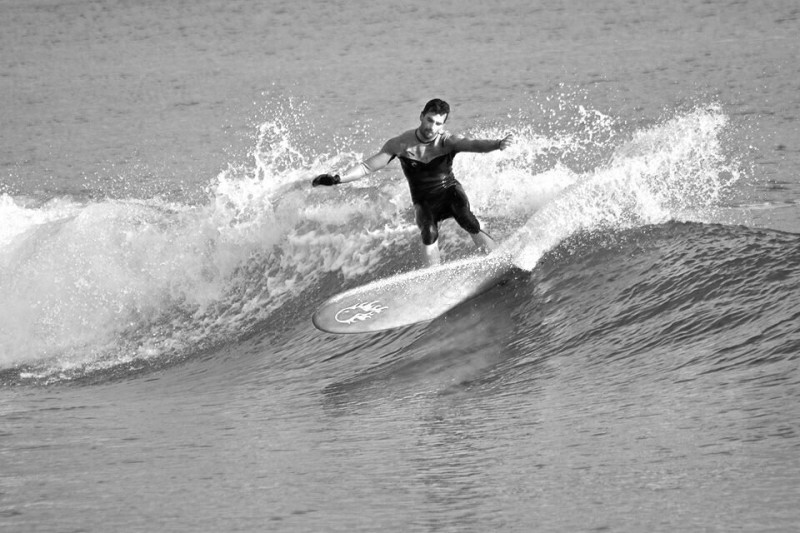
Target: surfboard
[412,297]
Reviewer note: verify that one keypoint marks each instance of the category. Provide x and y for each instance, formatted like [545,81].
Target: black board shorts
[451,202]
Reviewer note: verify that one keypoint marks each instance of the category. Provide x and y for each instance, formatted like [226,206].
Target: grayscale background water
[161,254]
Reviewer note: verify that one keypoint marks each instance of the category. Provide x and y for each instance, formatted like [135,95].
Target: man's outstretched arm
[467,144]
[366,167]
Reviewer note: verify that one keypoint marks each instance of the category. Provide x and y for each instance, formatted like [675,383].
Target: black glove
[326,179]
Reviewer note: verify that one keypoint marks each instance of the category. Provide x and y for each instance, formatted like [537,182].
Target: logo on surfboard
[359,312]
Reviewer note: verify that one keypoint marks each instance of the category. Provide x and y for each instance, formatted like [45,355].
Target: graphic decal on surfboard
[359,312]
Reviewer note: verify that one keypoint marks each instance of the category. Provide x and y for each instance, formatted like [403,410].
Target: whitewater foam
[88,285]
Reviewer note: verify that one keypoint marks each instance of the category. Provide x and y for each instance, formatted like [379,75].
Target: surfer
[426,156]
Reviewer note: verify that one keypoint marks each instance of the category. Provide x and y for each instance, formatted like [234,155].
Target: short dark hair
[437,107]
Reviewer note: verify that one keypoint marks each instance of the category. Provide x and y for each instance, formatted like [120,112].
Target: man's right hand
[506,141]
[326,179]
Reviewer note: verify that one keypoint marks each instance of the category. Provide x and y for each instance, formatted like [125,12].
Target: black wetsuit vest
[427,180]
[435,191]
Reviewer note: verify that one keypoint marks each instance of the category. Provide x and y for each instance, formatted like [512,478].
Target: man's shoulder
[455,137]
[397,145]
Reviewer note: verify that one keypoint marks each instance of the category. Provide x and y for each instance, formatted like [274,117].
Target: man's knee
[470,223]
[430,234]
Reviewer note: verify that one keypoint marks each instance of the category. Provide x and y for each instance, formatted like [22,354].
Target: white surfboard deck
[412,297]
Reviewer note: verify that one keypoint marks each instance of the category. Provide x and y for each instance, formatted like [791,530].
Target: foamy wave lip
[673,171]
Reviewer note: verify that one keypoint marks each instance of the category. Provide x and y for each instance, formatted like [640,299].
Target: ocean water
[161,254]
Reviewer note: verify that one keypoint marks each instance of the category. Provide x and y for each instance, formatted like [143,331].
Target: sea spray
[672,171]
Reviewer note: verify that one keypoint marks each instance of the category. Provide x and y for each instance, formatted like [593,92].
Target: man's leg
[429,232]
[467,220]
[483,241]
[432,256]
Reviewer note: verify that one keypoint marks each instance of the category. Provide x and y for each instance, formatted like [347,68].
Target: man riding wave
[426,156]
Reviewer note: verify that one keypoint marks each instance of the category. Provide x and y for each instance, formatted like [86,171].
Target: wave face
[672,299]
[120,285]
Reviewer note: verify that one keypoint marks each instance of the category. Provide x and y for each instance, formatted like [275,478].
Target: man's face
[430,125]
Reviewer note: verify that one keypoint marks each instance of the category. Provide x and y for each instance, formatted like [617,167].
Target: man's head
[437,107]
[432,119]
